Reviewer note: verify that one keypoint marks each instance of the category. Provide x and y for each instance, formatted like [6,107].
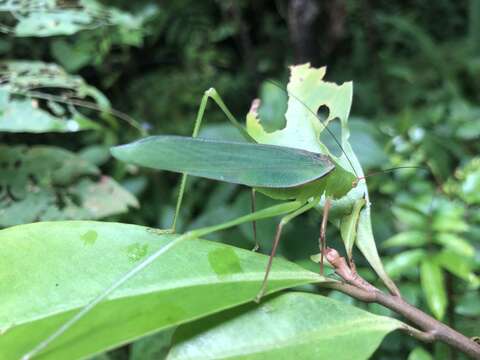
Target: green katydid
[289,165]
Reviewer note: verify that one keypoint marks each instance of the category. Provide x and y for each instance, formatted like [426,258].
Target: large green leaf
[290,326]
[50,270]
[39,97]
[235,162]
[41,183]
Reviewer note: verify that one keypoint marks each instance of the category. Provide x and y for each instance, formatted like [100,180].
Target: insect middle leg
[323,228]
[285,220]
[254,223]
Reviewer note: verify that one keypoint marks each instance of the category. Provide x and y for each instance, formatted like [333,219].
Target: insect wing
[255,165]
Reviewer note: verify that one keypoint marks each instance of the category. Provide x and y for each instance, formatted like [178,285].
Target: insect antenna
[439,187]
[330,132]
[384,171]
[359,178]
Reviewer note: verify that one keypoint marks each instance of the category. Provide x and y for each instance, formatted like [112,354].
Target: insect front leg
[209,94]
[285,220]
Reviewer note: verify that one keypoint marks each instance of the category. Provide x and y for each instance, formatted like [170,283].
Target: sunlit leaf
[192,280]
[307,92]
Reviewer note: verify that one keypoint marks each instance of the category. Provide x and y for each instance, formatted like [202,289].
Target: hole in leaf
[323,112]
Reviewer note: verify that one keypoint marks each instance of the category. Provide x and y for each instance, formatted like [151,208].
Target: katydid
[299,175]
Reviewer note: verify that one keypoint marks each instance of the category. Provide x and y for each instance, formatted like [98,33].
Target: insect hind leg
[323,229]
[285,220]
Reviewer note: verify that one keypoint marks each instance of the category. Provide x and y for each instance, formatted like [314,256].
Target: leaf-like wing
[254,165]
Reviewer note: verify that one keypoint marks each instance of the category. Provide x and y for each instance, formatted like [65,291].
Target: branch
[431,329]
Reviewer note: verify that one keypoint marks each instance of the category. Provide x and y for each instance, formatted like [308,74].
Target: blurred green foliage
[415,67]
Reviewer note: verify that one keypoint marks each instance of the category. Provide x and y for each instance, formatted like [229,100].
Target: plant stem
[431,329]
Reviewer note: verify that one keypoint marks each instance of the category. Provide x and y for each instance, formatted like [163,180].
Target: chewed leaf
[307,93]
[255,165]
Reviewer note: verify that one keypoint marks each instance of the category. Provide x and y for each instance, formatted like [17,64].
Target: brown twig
[430,329]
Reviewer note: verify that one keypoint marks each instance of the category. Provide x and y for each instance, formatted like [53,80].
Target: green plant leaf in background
[435,294]
[274,105]
[419,353]
[289,326]
[192,280]
[41,183]
[404,262]
[412,238]
[39,97]
[459,266]
[466,182]
[51,18]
